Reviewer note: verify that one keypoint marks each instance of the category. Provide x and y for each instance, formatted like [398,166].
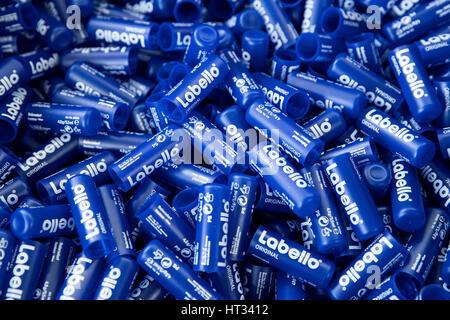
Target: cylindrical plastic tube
[379,92]
[362,151]
[11,113]
[287,183]
[418,89]
[433,292]
[259,281]
[434,48]
[211,233]
[117,279]
[52,189]
[293,102]
[435,178]
[245,20]
[40,62]
[148,156]
[110,10]
[7,165]
[284,62]
[342,23]
[354,196]
[148,289]
[17,18]
[255,49]
[396,137]
[385,252]
[53,32]
[25,271]
[188,10]
[443,136]
[312,12]
[294,139]
[175,36]
[288,287]
[204,41]
[317,48]
[7,255]
[90,217]
[179,279]
[186,204]
[292,258]
[378,178]
[43,116]
[228,283]
[326,94]
[243,189]
[13,73]
[14,191]
[326,126]
[362,48]
[42,222]
[399,286]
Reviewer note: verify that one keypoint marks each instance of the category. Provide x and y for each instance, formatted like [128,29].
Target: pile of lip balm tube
[225,149]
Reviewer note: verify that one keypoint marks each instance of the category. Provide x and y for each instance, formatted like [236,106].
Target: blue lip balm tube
[89,80]
[147,157]
[354,196]
[312,13]
[434,48]
[42,222]
[204,42]
[8,247]
[281,31]
[13,73]
[11,112]
[110,10]
[425,244]
[326,94]
[53,32]
[110,60]
[396,137]
[379,92]
[168,227]
[327,125]
[247,19]
[115,211]
[294,139]
[433,292]
[147,289]
[239,82]
[195,87]
[117,280]
[5,215]
[61,252]
[243,189]
[185,204]
[342,23]
[178,279]
[287,183]
[82,279]
[188,10]
[8,164]
[385,252]
[318,48]
[290,229]
[292,258]
[52,189]
[377,178]
[399,286]
[418,89]
[175,36]
[41,62]
[17,18]
[157,114]
[288,287]
[90,217]
[123,32]
[114,114]
[362,48]
[211,233]
[284,62]
[43,116]
[417,22]
[12,192]
[326,222]
[443,136]
[141,120]
[119,143]
[25,270]
[293,102]
[255,49]
[435,177]
[406,196]
[228,283]
[258,281]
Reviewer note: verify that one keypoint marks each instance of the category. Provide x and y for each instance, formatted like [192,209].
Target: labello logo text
[87,215]
[8,81]
[14,106]
[21,267]
[408,69]
[384,122]
[128,38]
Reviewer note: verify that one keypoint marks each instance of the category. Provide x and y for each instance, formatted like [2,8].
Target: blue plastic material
[284,62]
[53,32]
[185,204]
[362,151]
[416,86]
[287,182]
[204,41]
[17,18]
[188,10]
[318,48]
[284,34]
[399,286]
[41,62]
[82,279]
[42,222]
[443,90]
[312,13]
[189,92]
[425,245]
[326,94]
[434,49]
[229,283]
[14,191]
[51,189]
[362,48]
[117,280]
[148,289]
[110,10]
[175,36]
[294,139]
[385,252]
[123,32]
[43,116]
[293,102]
[292,258]
[255,49]
[377,177]
[8,247]
[211,233]
[327,125]
[443,136]
[246,20]
[13,73]
[353,196]
[342,23]
[90,218]
[259,281]
[288,287]
[243,189]
[167,226]
[435,178]
[179,279]
[379,92]
[11,113]
[433,292]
